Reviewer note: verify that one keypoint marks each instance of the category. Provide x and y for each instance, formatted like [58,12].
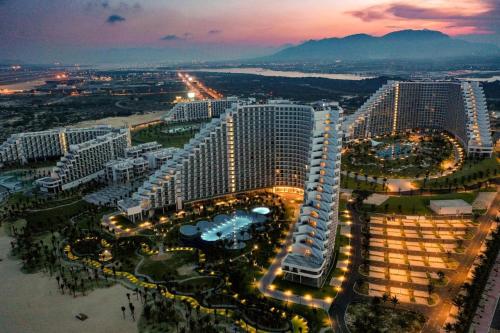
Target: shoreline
[31,303]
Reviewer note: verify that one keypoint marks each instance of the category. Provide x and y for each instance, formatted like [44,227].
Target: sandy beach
[30,303]
[123,121]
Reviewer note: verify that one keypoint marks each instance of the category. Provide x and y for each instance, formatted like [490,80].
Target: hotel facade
[86,161]
[22,148]
[456,107]
[199,110]
[258,146]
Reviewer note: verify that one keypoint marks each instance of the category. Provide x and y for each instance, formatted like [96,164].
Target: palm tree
[394,300]
[440,275]
[448,327]
[385,297]
[132,308]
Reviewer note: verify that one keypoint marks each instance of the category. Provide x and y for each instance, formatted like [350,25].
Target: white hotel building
[126,170]
[276,145]
[22,148]
[456,107]
[198,110]
[86,161]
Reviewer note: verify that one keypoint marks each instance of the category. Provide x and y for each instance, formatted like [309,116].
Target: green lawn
[418,204]
[155,133]
[46,219]
[471,173]
[360,184]
[199,283]
[298,289]
[158,268]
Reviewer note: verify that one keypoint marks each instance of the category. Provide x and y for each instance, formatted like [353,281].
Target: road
[439,314]
[346,294]
[200,90]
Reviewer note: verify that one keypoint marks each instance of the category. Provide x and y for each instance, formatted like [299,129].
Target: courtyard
[403,156]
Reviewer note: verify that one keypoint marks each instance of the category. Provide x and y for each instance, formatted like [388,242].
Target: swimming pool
[395,150]
[261,210]
[226,229]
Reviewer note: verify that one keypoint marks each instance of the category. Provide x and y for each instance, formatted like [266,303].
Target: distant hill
[404,44]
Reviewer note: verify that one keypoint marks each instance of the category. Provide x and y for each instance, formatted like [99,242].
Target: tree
[440,275]
[430,288]
[448,327]
[132,310]
[394,301]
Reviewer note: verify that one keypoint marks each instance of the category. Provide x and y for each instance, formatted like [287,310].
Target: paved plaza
[409,253]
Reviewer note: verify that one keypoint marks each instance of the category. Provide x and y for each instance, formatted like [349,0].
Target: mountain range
[403,44]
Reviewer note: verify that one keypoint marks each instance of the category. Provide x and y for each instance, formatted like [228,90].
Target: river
[293,74]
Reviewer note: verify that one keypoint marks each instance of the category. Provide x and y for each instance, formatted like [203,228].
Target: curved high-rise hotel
[456,107]
[258,146]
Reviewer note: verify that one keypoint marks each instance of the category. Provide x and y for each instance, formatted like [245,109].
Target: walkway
[54,207]
[347,294]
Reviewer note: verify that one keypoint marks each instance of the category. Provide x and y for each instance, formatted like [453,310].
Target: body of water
[226,229]
[482,79]
[23,86]
[292,74]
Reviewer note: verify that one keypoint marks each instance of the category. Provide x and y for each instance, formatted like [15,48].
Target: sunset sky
[52,27]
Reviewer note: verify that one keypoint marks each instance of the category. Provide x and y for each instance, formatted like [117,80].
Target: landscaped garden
[419,204]
[402,156]
[472,172]
[170,265]
[69,242]
[380,317]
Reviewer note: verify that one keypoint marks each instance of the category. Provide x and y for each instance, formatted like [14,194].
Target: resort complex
[397,107]
[247,215]
[283,146]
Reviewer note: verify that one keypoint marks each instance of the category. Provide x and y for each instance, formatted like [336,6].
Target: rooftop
[450,203]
